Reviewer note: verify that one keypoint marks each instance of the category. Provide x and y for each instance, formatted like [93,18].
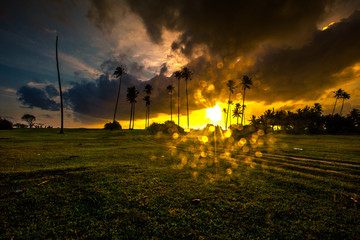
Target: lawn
[131,185]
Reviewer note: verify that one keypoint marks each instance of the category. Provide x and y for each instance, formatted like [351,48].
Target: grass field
[131,185]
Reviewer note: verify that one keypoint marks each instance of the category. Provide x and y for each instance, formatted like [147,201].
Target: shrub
[169,127]
[113,125]
[5,124]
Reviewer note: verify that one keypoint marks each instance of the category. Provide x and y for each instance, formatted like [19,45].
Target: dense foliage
[113,125]
[169,127]
[5,124]
[308,120]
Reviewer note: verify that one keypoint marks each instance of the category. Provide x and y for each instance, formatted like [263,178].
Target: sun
[214,113]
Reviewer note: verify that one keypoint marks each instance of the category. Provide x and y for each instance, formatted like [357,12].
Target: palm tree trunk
[117,99]
[133,122]
[237,120]
[146,118]
[178,102]
[187,105]
[131,110]
[243,109]
[227,113]
[230,117]
[334,107]
[171,106]
[60,90]
[342,106]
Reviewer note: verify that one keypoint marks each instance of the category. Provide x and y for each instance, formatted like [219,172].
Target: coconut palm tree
[178,75]
[60,90]
[337,95]
[231,86]
[344,96]
[147,104]
[131,96]
[186,74]
[237,112]
[246,83]
[148,89]
[119,72]
[170,89]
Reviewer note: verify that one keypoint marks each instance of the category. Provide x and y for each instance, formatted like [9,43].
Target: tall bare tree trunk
[60,90]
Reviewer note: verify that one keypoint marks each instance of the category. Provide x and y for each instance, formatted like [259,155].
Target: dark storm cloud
[229,27]
[97,99]
[131,67]
[35,97]
[51,91]
[104,14]
[163,69]
[306,72]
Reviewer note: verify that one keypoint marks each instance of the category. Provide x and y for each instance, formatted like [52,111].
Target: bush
[113,126]
[5,124]
[169,127]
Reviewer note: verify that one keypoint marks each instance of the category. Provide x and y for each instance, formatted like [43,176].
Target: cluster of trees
[239,110]
[30,119]
[132,94]
[309,120]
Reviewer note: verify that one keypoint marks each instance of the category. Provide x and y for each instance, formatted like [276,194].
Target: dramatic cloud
[229,28]
[35,97]
[51,91]
[306,72]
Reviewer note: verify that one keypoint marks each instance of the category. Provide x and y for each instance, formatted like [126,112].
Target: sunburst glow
[214,114]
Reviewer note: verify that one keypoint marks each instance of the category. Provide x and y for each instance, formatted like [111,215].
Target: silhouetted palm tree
[147,104]
[344,96]
[148,89]
[246,83]
[119,72]
[131,96]
[178,75]
[186,74]
[60,90]
[170,89]
[237,112]
[337,95]
[231,86]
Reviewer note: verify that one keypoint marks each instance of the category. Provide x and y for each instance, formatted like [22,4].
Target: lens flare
[214,113]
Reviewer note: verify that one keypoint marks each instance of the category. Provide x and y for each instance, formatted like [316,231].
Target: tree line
[307,120]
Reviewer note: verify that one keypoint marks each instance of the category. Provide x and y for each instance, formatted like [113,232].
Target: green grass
[130,185]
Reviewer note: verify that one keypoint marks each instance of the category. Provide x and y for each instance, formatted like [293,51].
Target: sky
[297,53]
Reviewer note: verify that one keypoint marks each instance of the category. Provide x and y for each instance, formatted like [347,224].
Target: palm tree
[337,94]
[60,90]
[246,83]
[231,86]
[237,112]
[148,89]
[170,89]
[119,72]
[344,96]
[178,75]
[186,74]
[147,101]
[131,96]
